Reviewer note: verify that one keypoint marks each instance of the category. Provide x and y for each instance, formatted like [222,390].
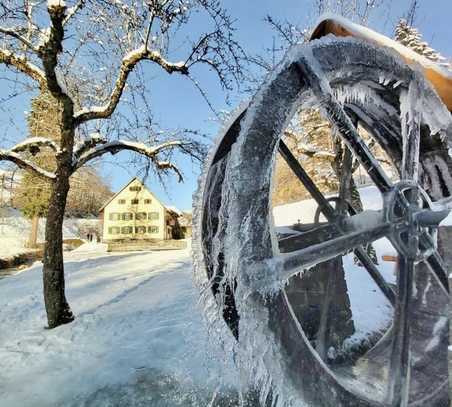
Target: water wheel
[246,273]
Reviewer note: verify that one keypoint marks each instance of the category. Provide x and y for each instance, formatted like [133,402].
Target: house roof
[117,193]
[168,208]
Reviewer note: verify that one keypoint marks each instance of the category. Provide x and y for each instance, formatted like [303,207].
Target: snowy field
[138,340]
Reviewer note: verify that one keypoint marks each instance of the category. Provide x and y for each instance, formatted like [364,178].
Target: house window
[140,229]
[126,230]
[114,216]
[135,201]
[147,201]
[153,215]
[114,230]
[121,201]
[153,229]
[135,188]
[127,216]
[140,216]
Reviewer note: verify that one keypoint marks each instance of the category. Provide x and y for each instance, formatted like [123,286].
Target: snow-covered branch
[73,10]
[312,151]
[34,144]
[128,64]
[15,33]
[49,54]
[88,144]
[152,153]
[23,65]
[14,157]
[166,165]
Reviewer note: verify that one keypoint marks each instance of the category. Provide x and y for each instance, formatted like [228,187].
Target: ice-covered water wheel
[237,253]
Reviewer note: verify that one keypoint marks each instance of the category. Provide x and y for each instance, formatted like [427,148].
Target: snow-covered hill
[15,230]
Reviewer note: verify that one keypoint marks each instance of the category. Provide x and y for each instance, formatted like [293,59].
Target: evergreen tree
[87,192]
[33,194]
[412,38]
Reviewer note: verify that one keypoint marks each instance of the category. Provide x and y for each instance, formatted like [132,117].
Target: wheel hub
[409,208]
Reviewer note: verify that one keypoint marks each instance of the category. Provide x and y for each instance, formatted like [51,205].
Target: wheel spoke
[344,125]
[375,274]
[399,363]
[400,353]
[436,264]
[326,250]
[289,264]
[306,180]
[313,236]
[330,214]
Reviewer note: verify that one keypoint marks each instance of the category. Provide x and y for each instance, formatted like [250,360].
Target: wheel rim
[257,247]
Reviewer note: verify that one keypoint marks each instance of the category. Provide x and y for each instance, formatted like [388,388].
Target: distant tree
[412,38]
[87,194]
[90,56]
[33,194]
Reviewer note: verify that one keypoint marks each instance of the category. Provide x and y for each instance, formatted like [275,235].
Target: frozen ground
[138,340]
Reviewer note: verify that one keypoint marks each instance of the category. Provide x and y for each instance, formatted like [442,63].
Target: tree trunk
[57,307]
[33,239]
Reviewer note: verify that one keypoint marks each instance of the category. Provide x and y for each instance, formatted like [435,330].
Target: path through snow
[138,340]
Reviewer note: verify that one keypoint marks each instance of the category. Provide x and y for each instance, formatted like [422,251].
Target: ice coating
[236,188]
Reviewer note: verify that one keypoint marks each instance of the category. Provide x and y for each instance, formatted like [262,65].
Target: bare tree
[91,55]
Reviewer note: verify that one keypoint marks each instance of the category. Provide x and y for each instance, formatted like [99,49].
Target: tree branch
[73,10]
[116,146]
[15,34]
[81,148]
[25,164]
[34,144]
[52,47]
[166,165]
[22,65]
[128,64]
[312,151]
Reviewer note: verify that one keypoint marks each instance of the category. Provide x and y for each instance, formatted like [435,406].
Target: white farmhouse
[134,213]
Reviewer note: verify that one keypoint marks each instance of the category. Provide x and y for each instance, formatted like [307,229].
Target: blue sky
[177,104]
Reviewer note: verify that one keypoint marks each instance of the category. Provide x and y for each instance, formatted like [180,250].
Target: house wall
[116,207]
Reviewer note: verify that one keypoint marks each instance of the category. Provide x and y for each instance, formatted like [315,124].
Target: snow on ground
[138,339]
[15,230]
[371,310]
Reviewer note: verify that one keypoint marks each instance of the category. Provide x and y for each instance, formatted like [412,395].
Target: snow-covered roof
[174,209]
[117,193]
[440,77]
